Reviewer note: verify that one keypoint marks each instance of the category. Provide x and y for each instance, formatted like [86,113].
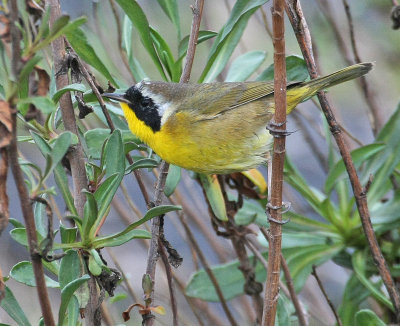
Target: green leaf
[354,295]
[229,278]
[359,265]
[383,165]
[296,70]
[94,268]
[106,191]
[73,311]
[95,139]
[285,310]
[61,26]
[90,216]
[39,211]
[143,163]
[301,259]
[60,148]
[203,36]
[59,173]
[23,273]
[165,55]
[359,156]
[173,178]
[43,103]
[245,65]
[13,309]
[69,88]
[68,235]
[66,294]
[214,195]
[119,240]
[70,268]
[229,37]
[251,212]
[170,7]
[114,158]
[153,212]
[19,235]
[80,44]
[367,317]
[118,297]
[139,20]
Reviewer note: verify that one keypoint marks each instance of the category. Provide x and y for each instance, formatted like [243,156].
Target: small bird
[214,127]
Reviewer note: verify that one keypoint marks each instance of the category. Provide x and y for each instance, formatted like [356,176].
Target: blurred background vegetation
[324,230]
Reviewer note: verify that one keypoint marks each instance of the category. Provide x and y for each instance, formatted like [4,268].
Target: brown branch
[168,272]
[4,212]
[373,114]
[156,222]
[29,219]
[75,155]
[88,77]
[373,109]
[252,287]
[300,28]
[197,10]
[290,287]
[277,129]
[208,270]
[25,202]
[321,286]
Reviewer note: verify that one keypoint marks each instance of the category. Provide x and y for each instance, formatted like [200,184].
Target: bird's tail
[307,89]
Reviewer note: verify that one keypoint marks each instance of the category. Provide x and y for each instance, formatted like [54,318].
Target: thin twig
[75,155]
[300,28]
[152,257]
[373,113]
[321,286]
[110,123]
[208,270]
[119,33]
[278,157]
[27,213]
[25,202]
[168,272]
[290,287]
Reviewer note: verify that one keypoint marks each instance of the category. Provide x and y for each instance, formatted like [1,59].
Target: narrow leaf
[245,65]
[153,212]
[66,294]
[367,317]
[80,44]
[139,20]
[69,88]
[70,268]
[214,195]
[173,178]
[13,309]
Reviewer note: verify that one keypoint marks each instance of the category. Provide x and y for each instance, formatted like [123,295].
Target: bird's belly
[212,154]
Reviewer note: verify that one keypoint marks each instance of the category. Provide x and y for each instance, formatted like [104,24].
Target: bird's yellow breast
[211,146]
[172,142]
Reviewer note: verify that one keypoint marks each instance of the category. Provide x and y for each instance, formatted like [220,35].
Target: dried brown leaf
[5,124]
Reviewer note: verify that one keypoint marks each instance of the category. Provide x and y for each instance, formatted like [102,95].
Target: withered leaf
[5,124]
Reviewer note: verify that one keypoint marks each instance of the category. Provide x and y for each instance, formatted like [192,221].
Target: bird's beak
[116,97]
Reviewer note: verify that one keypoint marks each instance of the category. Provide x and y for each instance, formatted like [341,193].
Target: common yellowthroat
[215,127]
